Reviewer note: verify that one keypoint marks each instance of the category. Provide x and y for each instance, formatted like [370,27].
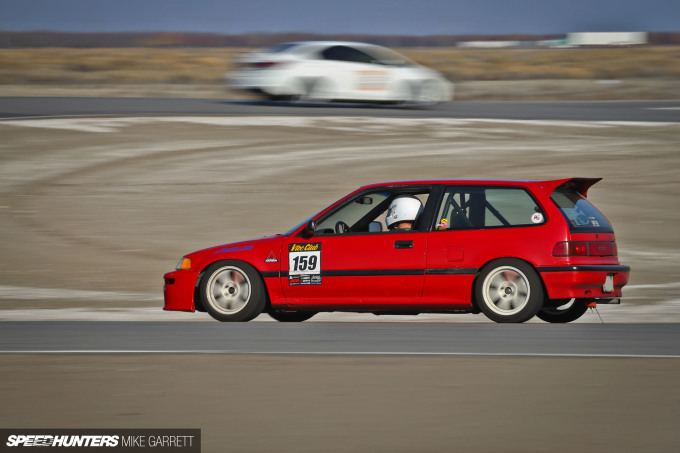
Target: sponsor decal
[271,258]
[236,248]
[372,80]
[537,218]
[159,440]
[304,264]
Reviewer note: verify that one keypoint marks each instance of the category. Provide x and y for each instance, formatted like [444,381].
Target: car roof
[332,43]
[581,185]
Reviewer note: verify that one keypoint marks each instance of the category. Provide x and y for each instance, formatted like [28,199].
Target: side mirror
[310,228]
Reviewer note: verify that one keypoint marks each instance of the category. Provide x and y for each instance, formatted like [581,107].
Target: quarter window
[581,216]
[344,53]
[465,207]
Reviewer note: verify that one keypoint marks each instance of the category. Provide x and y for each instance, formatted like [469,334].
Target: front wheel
[509,290]
[430,93]
[568,312]
[232,291]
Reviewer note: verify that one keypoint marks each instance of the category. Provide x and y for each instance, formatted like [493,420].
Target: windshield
[278,48]
[388,56]
[581,215]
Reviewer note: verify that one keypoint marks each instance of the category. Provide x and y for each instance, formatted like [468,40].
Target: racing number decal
[372,80]
[304,264]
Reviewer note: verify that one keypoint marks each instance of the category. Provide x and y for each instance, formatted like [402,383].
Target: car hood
[260,253]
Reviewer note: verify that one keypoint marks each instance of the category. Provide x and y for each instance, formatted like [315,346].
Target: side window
[352,213]
[344,53]
[514,206]
[487,207]
[368,213]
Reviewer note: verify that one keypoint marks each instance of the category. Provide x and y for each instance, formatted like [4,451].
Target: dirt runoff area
[93,211]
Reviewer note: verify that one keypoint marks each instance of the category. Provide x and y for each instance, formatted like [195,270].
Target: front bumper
[584,282]
[178,290]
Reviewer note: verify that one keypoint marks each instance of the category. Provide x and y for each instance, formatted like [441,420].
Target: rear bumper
[583,282]
[178,290]
[271,82]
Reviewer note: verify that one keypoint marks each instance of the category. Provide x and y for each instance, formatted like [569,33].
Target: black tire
[430,93]
[319,91]
[232,291]
[291,316]
[568,312]
[509,290]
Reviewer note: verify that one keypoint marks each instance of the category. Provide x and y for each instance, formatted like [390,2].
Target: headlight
[184,263]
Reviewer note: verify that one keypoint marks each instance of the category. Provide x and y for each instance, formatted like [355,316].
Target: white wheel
[232,291]
[509,290]
[430,93]
[228,290]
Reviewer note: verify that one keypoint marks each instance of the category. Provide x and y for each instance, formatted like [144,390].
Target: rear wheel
[509,290]
[319,90]
[568,312]
[291,316]
[232,291]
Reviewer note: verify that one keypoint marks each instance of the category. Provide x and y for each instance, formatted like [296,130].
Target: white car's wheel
[431,92]
[320,90]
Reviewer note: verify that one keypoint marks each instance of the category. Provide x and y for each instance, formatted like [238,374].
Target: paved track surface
[616,340]
[652,111]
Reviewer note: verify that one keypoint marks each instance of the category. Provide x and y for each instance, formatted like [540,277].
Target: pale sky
[380,17]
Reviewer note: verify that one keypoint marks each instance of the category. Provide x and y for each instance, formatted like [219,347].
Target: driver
[403,212]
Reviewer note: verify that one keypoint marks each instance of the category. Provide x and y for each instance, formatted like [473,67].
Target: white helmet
[404,208]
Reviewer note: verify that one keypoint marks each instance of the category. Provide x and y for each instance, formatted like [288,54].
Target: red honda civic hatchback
[509,249]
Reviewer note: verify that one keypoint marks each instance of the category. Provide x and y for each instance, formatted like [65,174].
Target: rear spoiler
[580,185]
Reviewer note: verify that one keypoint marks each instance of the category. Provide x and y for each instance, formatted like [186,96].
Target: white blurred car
[337,71]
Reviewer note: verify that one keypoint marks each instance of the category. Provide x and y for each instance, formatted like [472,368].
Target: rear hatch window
[581,215]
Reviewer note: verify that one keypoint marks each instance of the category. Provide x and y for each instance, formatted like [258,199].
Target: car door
[356,74]
[356,270]
[474,225]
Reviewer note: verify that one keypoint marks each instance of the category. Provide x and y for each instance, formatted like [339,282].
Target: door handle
[403,244]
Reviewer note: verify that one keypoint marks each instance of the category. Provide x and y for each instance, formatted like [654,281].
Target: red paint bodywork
[436,275]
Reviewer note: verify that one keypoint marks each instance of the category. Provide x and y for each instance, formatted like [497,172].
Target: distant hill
[10,39]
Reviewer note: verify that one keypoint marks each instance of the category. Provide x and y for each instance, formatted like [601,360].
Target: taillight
[264,64]
[583,248]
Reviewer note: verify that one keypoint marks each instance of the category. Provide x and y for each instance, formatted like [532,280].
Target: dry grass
[536,64]
[207,66]
[117,66]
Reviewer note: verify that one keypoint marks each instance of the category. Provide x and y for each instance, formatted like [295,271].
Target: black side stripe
[585,269]
[382,272]
[371,272]
[452,271]
[443,271]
